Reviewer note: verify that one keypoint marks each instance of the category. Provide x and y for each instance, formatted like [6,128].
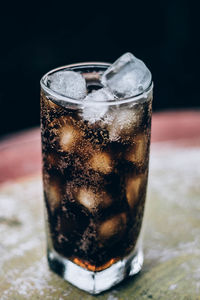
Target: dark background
[39,36]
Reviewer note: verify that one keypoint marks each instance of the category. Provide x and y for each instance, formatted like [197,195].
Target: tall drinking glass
[95,173]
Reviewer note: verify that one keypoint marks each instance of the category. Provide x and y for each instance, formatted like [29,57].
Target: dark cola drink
[95,168]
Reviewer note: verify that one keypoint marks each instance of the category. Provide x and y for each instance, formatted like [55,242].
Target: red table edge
[20,153]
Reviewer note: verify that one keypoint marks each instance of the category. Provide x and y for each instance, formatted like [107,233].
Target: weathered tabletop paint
[171,236]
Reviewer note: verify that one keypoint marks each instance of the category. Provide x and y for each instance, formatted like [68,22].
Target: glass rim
[57,97]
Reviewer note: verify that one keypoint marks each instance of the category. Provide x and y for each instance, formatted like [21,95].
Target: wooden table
[171,225]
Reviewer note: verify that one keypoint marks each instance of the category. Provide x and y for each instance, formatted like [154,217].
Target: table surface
[171,224]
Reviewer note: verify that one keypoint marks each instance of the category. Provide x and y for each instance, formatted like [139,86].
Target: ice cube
[113,227]
[68,83]
[93,109]
[123,124]
[133,188]
[53,195]
[65,132]
[69,137]
[101,162]
[93,200]
[138,153]
[128,76]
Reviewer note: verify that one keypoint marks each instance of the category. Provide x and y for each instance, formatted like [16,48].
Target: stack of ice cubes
[126,77]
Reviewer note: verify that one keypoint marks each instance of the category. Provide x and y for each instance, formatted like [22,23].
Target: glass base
[95,282]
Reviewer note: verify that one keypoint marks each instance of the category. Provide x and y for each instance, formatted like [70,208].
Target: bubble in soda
[68,83]
[127,76]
